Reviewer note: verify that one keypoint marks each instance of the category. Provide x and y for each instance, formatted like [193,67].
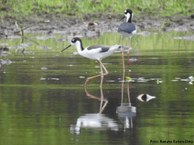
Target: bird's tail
[116,47]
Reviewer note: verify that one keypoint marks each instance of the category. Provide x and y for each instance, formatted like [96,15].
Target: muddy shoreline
[91,25]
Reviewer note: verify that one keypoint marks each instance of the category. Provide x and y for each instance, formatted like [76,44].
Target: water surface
[42,93]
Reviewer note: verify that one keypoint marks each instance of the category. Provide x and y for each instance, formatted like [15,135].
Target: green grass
[18,8]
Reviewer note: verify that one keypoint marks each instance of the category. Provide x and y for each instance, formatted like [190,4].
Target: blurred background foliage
[82,7]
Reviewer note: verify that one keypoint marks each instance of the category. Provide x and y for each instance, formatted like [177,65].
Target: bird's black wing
[102,48]
[127,27]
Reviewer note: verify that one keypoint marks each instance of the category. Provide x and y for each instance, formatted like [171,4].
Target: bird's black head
[75,39]
[128,15]
[128,11]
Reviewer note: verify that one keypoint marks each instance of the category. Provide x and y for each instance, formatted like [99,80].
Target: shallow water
[42,94]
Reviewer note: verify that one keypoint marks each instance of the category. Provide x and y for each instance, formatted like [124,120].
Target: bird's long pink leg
[90,78]
[93,97]
[101,92]
[103,73]
[104,68]
[123,77]
[128,86]
[85,87]
[128,93]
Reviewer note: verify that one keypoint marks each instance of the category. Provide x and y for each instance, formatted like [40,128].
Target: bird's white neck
[128,17]
[79,46]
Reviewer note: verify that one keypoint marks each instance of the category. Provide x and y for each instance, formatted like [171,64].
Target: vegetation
[82,7]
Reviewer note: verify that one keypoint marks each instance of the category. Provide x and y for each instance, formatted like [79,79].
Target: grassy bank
[19,8]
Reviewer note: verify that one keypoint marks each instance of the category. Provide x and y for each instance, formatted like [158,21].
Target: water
[42,94]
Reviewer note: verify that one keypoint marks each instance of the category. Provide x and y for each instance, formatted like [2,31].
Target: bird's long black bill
[66,48]
[122,18]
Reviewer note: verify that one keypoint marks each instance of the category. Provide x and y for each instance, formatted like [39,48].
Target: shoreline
[66,25]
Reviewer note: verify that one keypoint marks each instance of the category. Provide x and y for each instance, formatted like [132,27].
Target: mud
[91,25]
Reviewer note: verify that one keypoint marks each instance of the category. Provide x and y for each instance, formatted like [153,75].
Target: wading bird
[96,52]
[126,28]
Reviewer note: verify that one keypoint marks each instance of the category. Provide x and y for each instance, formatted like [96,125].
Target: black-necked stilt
[145,97]
[126,28]
[96,52]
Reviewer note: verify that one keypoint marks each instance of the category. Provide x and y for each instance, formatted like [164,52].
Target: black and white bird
[96,52]
[127,27]
[145,97]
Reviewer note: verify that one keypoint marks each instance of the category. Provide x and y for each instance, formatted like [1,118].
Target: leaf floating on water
[55,79]
[44,68]
[133,59]
[70,65]
[110,81]
[159,81]
[42,79]
[82,77]
[128,78]
[142,80]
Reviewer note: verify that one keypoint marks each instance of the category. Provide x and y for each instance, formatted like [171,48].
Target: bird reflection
[103,101]
[126,111]
[145,97]
[97,121]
